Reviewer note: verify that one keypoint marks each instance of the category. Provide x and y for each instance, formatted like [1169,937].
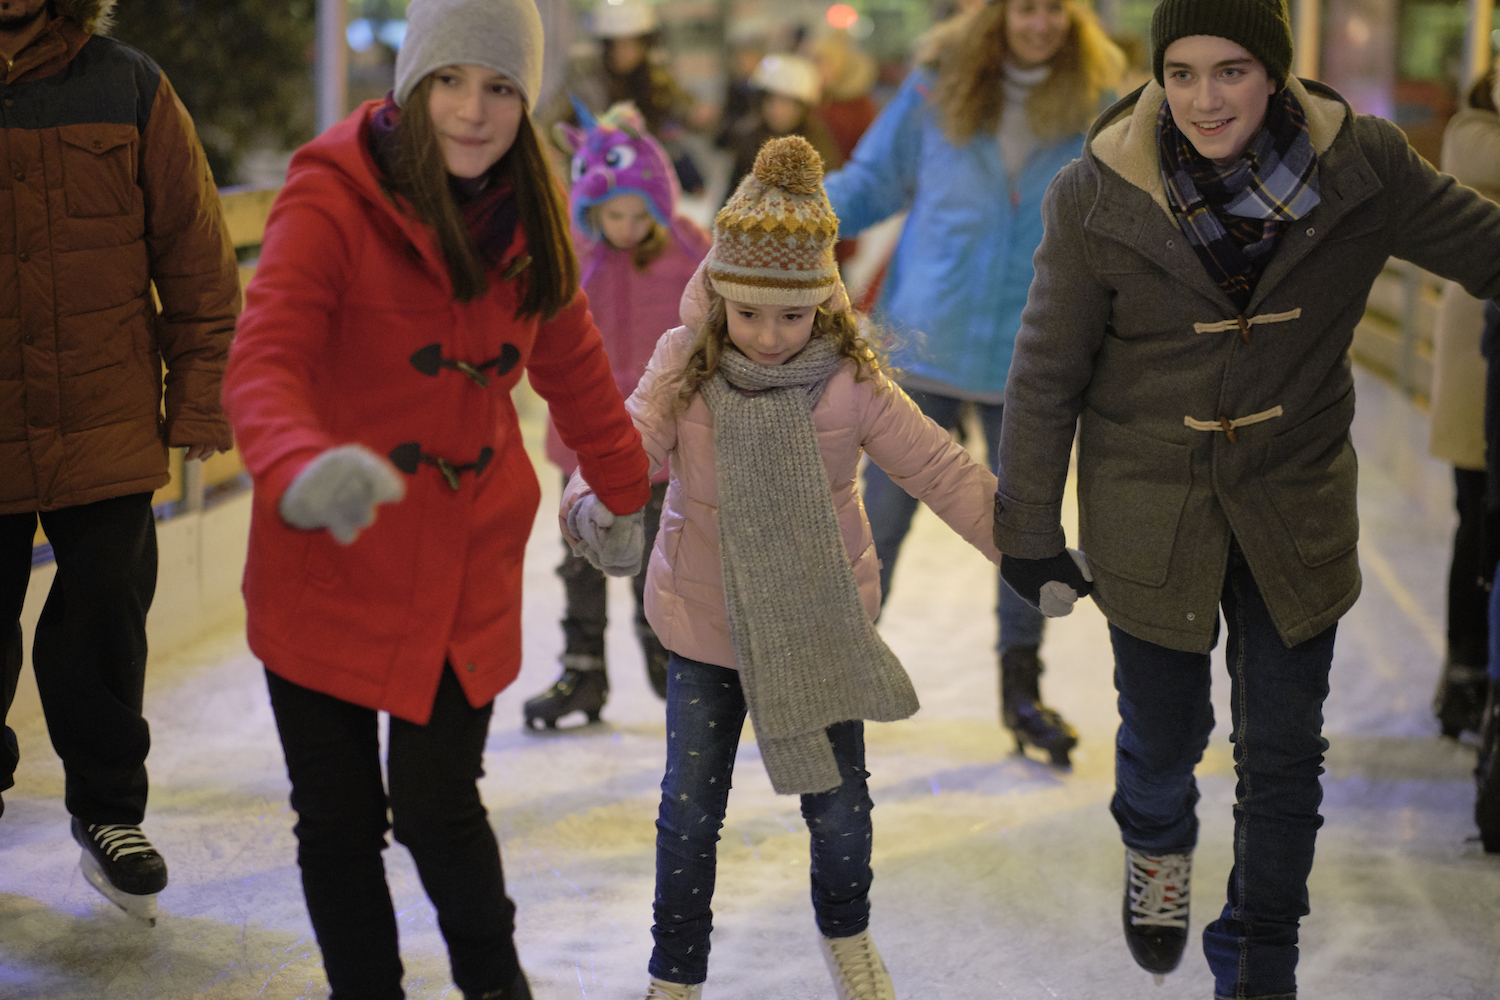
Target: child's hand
[339,490]
[1051,585]
[613,543]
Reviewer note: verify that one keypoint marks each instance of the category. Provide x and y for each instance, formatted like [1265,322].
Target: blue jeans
[890,509]
[1276,698]
[705,714]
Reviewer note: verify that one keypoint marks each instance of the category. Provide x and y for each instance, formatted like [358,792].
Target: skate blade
[142,908]
[1160,979]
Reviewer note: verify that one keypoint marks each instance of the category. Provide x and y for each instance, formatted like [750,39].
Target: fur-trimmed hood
[93,16]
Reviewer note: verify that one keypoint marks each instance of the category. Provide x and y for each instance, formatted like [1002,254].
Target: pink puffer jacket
[684,585]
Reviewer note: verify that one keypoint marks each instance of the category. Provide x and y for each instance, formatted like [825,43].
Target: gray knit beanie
[500,35]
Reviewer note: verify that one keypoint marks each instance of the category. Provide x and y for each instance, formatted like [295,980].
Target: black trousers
[90,648]
[333,759]
[1468,599]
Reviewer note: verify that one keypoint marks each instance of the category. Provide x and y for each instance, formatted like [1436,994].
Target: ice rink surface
[997,877]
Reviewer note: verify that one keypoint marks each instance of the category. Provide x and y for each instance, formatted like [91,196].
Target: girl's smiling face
[476,114]
[1218,93]
[769,335]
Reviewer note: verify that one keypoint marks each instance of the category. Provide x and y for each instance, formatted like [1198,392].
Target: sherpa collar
[1125,139]
[93,16]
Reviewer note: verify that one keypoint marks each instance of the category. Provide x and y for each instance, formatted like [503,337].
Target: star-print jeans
[705,715]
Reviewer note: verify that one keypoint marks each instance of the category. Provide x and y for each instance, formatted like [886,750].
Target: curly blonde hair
[969,52]
[841,325]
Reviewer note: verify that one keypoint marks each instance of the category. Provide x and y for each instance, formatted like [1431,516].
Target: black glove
[1052,585]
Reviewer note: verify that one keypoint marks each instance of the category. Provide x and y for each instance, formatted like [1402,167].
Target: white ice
[997,877]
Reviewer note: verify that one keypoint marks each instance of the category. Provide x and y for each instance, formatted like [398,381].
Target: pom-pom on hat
[501,35]
[1261,27]
[773,240]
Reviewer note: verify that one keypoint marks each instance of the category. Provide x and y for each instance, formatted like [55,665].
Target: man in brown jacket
[104,192]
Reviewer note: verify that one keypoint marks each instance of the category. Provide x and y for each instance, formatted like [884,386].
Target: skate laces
[1159,889]
[859,964]
[119,841]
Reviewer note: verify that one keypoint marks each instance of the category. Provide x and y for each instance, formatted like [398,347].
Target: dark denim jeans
[585,611]
[1276,698]
[890,509]
[333,759]
[705,714]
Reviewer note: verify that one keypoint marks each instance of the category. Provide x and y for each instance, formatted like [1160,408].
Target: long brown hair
[970,53]
[841,325]
[420,174]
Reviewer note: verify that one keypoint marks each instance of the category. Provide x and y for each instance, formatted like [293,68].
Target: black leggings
[333,759]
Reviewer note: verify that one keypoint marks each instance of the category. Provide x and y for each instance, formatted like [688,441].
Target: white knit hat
[501,35]
[624,19]
[789,76]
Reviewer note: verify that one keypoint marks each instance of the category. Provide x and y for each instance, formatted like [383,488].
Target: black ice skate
[583,687]
[1487,777]
[1022,711]
[1157,894]
[1458,702]
[121,863]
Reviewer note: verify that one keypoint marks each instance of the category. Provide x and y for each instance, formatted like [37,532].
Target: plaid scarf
[491,212]
[1233,215]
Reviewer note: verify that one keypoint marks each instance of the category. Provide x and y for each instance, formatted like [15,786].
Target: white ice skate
[123,866]
[660,989]
[856,968]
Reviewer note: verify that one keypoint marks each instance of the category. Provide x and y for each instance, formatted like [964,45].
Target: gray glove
[614,543]
[339,489]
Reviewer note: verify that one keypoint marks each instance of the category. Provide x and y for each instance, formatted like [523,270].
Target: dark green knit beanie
[1261,27]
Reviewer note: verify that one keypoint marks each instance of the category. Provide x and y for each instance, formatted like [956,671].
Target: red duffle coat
[329,351]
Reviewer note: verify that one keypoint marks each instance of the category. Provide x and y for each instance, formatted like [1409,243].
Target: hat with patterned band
[773,240]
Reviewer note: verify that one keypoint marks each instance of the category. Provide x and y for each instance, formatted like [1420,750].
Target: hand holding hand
[1051,585]
[614,543]
[339,490]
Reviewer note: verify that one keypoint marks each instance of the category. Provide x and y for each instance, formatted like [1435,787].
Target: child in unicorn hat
[637,255]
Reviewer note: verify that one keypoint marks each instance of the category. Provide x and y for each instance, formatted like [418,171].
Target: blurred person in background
[749,41]
[1137,61]
[997,106]
[632,66]
[636,253]
[846,109]
[108,194]
[789,88]
[1471,153]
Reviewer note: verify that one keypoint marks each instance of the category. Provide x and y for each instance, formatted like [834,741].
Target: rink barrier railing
[1393,340]
[196,486]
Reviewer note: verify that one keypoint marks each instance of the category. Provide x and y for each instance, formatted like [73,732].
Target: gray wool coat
[1195,424]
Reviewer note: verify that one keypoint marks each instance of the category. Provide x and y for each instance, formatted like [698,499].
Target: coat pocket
[1132,489]
[99,169]
[1311,474]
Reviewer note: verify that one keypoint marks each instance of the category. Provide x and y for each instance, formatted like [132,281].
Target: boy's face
[1218,93]
[769,335]
[783,114]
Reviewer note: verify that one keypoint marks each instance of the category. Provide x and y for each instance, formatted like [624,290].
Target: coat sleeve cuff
[1028,531]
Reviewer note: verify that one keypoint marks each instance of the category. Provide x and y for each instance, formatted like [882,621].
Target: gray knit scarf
[807,653]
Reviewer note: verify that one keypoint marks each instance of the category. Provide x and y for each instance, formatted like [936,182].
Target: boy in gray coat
[1204,266]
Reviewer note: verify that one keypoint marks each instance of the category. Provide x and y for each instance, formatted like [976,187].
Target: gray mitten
[614,543]
[339,489]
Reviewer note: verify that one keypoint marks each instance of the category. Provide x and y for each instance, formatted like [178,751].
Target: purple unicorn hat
[613,154]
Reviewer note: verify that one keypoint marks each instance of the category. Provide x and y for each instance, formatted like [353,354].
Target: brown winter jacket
[105,190]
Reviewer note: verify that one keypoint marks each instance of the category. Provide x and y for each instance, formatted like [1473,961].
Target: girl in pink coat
[637,255]
[763,581]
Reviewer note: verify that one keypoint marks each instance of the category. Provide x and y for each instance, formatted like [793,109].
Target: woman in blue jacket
[968,146]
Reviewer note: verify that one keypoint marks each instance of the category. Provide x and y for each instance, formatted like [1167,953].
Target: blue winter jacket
[961,270]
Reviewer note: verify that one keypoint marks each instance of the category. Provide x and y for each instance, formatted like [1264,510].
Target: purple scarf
[489,206]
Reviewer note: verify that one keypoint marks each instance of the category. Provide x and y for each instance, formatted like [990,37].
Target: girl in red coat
[415,263]
[637,255]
